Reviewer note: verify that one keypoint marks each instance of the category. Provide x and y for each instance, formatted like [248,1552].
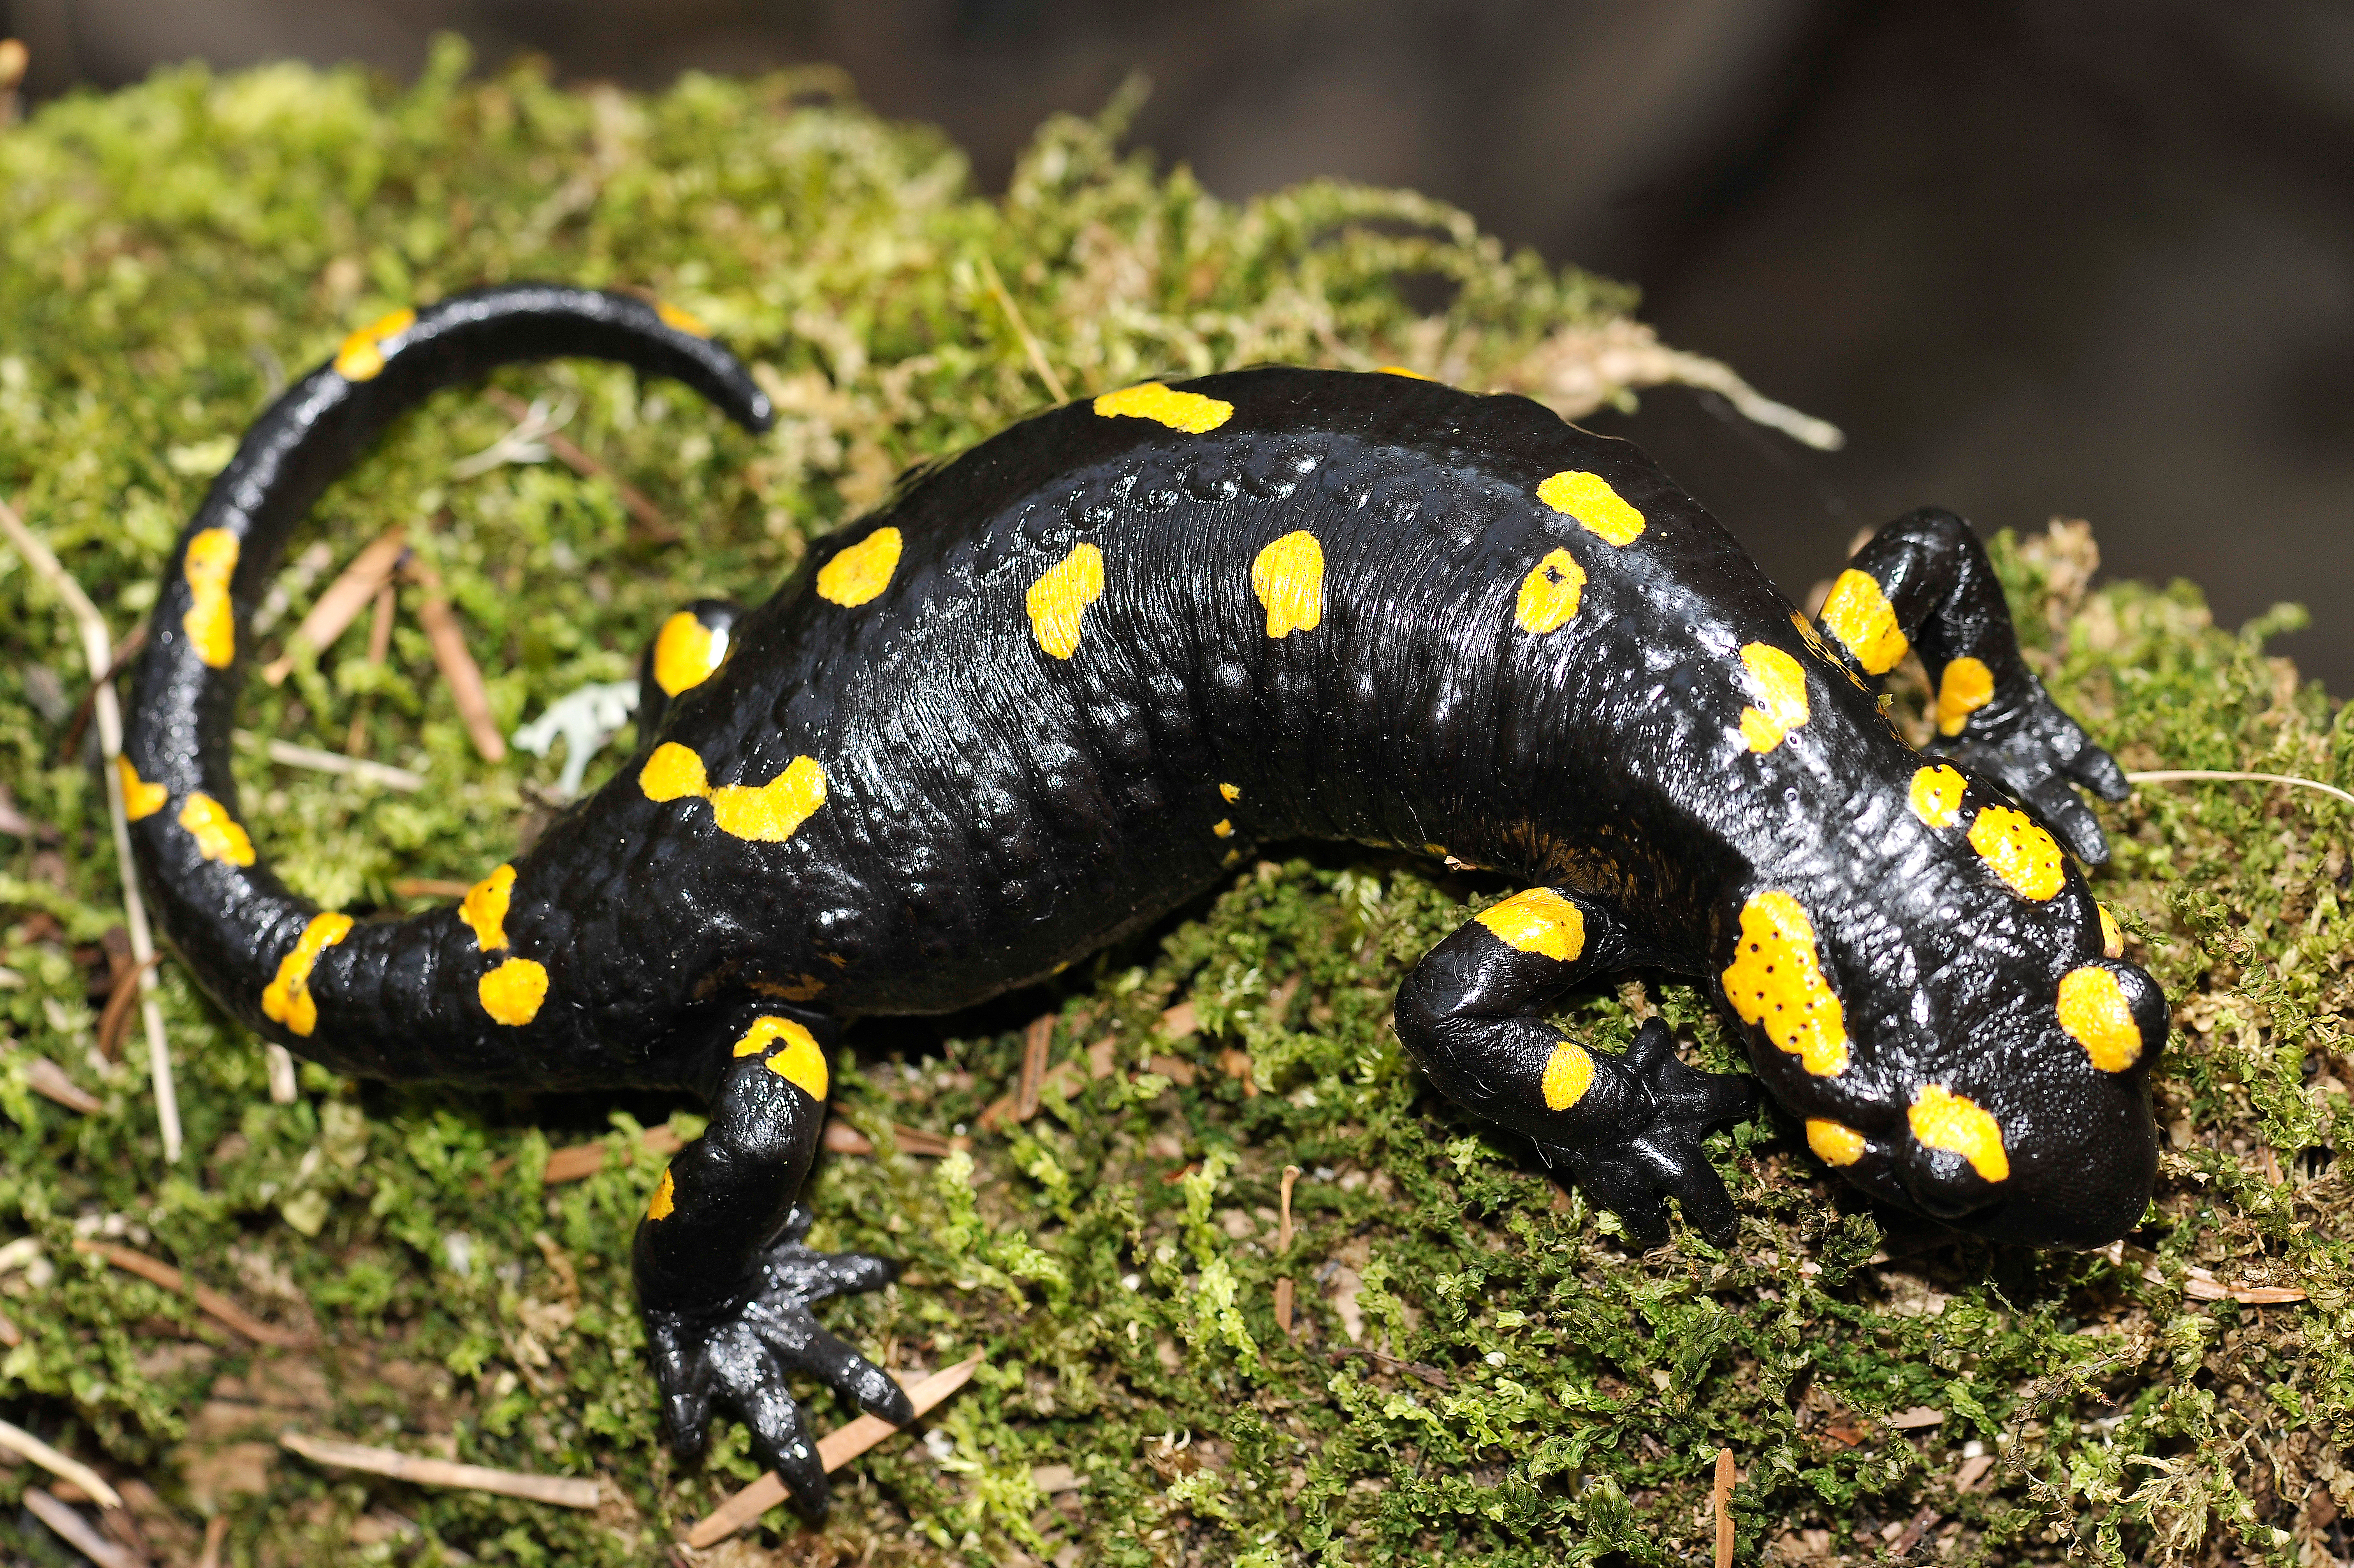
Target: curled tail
[263,954]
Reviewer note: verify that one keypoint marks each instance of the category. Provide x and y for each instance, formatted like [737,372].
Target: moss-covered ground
[1479,1372]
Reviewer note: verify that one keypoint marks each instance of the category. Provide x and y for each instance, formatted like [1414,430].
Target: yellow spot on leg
[1548,594]
[1569,1072]
[1538,921]
[1058,600]
[801,1063]
[218,835]
[1778,682]
[1288,578]
[1859,614]
[210,623]
[1775,980]
[1833,1142]
[361,358]
[1938,796]
[2094,1012]
[861,571]
[287,999]
[2018,852]
[1233,792]
[679,320]
[1224,828]
[685,653]
[511,992]
[1945,1120]
[1964,688]
[1598,508]
[664,1201]
[486,908]
[2112,941]
[1187,411]
[141,799]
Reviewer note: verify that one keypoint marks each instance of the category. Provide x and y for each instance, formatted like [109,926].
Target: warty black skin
[1005,791]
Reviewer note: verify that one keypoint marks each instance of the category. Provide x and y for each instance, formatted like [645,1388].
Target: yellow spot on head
[218,835]
[672,773]
[287,999]
[860,572]
[664,1201]
[1598,508]
[801,1062]
[1538,921]
[1834,1143]
[1548,594]
[511,992]
[1938,796]
[361,358]
[1779,683]
[1187,411]
[1224,828]
[1859,614]
[2112,941]
[2094,1012]
[1058,600]
[210,623]
[486,908]
[141,799]
[1942,1120]
[685,653]
[2018,852]
[678,320]
[1569,1072]
[1775,980]
[769,812]
[1288,578]
[1401,370]
[1233,792]
[1964,688]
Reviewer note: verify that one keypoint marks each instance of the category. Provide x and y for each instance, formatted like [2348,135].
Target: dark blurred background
[2082,256]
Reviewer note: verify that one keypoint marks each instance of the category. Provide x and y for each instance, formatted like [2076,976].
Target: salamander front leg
[1627,1127]
[723,1281]
[1925,580]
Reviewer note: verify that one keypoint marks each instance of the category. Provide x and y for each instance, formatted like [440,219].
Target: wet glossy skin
[1070,679]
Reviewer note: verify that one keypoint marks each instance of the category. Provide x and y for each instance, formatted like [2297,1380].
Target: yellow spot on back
[1834,1143]
[1233,792]
[141,799]
[287,999]
[1938,796]
[486,908]
[766,813]
[1775,980]
[1224,828]
[1942,1119]
[1401,370]
[672,773]
[1187,411]
[801,1062]
[1538,920]
[1288,578]
[218,835]
[210,623]
[685,653]
[1598,508]
[1058,600]
[361,358]
[679,320]
[2018,852]
[2112,941]
[511,992]
[1963,688]
[664,1201]
[1569,1072]
[1859,614]
[1778,682]
[2094,1012]
[1548,594]
[860,572]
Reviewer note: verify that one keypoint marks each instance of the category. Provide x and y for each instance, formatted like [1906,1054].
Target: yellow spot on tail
[857,574]
[766,813]
[1965,686]
[210,623]
[511,992]
[1859,614]
[1058,600]
[685,653]
[1187,411]
[141,799]
[1938,796]
[678,320]
[1223,828]
[361,358]
[2094,1012]
[218,835]
[486,908]
[1233,792]
[1548,594]
[1778,682]
[1538,921]
[1833,1142]
[1775,980]
[2112,941]
[2018,852]
[1288,578]
[1569,1072]
[665,1199]
[287,999]
[1942,1119]
[801,1063]
[1598,508]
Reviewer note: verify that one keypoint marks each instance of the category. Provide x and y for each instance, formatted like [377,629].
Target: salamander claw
[2044,759]
[1664,1158]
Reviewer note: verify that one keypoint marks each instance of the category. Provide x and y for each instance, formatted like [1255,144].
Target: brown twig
[216,1531]
[1283,1287]
[115,1017]
[77,1532]
[354,588]
[16,1440]
[457,665]
[130,648]
[211,1302]
[388,602]
[48,1080]
[840,1138]
[642,512]
[1922,1523]
[1022,329]
[1035,1042]
[564,1491]
[1720,1503]
[1429,1375]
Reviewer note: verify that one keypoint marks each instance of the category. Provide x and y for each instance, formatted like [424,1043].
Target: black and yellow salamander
[1063,682]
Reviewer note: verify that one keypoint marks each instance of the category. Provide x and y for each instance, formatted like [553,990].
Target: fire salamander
[1063,682]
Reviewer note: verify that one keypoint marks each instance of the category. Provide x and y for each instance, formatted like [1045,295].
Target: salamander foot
[2041,757]
[1630,1175]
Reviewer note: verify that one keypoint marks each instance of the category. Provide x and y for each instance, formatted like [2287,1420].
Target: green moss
[175,250]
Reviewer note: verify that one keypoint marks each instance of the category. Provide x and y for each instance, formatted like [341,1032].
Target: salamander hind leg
[725,1281]
[1627,1128]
